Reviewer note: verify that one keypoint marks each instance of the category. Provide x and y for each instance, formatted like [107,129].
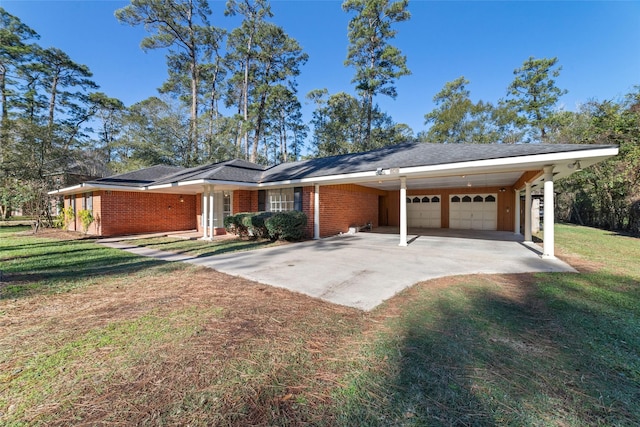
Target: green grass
[52,372]
[202,248]
[565,351]
[37,265]
[554,349]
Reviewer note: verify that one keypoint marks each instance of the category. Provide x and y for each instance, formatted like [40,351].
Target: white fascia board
[85,186]
[203,182]
[522,161]
[329,179]
[65,190]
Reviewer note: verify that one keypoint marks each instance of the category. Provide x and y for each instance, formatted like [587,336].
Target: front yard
[91,335]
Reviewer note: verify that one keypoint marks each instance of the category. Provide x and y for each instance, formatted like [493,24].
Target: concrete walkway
[365,269]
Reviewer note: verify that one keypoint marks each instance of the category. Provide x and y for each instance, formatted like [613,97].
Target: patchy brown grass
[234,324]
[174,344]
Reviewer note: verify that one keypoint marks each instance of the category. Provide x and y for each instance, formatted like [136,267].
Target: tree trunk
[245,93]
[193,126]
[4,117]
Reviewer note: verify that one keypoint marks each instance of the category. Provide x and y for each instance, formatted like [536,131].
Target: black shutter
[262,195]
[297,199]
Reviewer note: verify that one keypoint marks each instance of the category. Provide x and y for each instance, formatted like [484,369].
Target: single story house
[409,185]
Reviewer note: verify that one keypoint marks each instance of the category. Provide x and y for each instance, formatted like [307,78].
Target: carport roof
[400,156]
[412,154]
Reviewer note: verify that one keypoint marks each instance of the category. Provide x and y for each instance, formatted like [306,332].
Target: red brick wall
[342,206]
[124,212]
[307,208]
[245,201]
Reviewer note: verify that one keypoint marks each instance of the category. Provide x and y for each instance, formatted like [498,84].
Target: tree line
[232,93]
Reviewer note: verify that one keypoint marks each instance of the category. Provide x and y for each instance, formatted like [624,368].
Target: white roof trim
[504,163]
[85,185]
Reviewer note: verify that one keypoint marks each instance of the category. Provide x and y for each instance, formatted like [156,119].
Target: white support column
[316,211]
[516,223]
[205,214]
[527,212]
[211,212]
[403,212]
[549,217]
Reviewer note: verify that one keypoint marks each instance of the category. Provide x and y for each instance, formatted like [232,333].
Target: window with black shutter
[297,199]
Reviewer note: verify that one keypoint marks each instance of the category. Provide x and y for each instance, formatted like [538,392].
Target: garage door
[423,211]
[473,211]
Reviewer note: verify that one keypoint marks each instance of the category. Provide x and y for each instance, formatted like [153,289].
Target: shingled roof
[410,154]
[139,178]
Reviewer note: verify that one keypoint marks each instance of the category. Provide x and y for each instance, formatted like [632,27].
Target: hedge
[274,225]
[248,224]
[288,225]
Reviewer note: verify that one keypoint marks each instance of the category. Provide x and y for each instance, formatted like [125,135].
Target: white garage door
[423,211]
[473,211]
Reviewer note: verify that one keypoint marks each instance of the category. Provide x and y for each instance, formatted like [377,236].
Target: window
[280,200]
[408,200]
[455,199]
[87,202]
[490,199]
[425,200]
[435,199]
[416,200]
[226,204]
[478,199]
[466,199]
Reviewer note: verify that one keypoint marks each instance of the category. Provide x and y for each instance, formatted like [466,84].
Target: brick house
[409,185]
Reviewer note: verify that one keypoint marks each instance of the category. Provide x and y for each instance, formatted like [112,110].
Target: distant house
[410,185]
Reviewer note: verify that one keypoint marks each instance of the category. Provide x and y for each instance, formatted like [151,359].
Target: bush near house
[248,224]
[86,218]
[272,225]
[287,225]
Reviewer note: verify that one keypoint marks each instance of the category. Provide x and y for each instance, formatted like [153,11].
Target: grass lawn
[200,247]
[91,335]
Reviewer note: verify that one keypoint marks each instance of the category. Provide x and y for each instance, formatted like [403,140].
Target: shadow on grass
[201,250]
[44,267]
[474,356]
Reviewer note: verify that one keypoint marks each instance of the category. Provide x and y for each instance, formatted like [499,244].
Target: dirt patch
[55,233]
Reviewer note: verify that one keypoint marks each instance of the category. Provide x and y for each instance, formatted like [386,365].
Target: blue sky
[597,43]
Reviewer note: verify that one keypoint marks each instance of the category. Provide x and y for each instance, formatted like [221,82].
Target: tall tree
[378,64]
[14,50]
[278,61]
[605,195]
[452,121]
[533,94]
[183,27]
[155,132]
[338,125]
[109,112]
[241,53]
[457,119]
[284,124]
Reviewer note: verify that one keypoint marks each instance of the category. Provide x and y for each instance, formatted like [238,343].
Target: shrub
[287,225]
[86,218]
[64,218]
[248,224]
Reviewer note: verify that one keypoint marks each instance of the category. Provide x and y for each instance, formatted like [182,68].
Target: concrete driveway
[365,269]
